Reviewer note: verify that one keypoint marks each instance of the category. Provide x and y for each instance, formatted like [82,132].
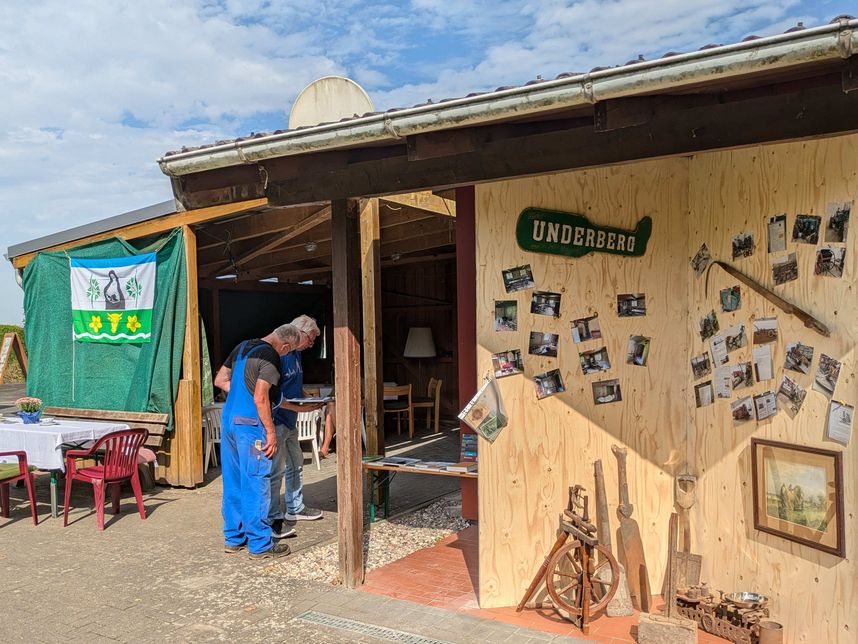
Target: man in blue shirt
[289,460]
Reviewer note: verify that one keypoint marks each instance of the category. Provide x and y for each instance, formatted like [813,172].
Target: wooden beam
[154,226]
[424,200]
[370,250]
[347,266]
[245,227]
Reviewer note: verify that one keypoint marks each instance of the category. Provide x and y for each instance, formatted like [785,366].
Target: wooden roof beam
[425,201]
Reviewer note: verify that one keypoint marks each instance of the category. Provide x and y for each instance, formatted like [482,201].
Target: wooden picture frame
[798,494]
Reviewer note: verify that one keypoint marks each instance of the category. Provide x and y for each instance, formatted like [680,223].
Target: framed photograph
[798,494]
[765,330]
[777,233]
[798,357]
[607,391]
[784,269]
[837,222]
[839,426]
[806,229]
[829,261]
[543,344]
[709,326]
[594,361]
[638,352]
[701,260]
[548,384]
[585,329]
[701,365]
[545,303]
[518,278]
[703,394]
[827,373]
[731,299]
[631,305]
[742,410]
[792,395]
[507,363]
[743,245]
[506,315]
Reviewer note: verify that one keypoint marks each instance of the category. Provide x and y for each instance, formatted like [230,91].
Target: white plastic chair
[308,425]
[211,425]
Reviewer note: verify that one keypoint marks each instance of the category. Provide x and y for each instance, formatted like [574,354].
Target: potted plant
[29,409]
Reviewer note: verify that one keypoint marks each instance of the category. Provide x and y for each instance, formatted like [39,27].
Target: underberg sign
[565,233]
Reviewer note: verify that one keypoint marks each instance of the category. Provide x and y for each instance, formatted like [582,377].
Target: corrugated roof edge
[94,228]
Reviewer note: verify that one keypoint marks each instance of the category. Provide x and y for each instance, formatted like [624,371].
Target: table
[380,479]
[44,443]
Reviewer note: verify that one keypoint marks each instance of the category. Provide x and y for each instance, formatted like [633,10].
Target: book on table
[397,461]
[438,466]
[465,466]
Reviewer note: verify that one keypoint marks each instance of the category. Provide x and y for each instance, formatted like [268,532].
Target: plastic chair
[212,421]
[308,425]
[400,405]
[10,473]
[118,454]
[432,401]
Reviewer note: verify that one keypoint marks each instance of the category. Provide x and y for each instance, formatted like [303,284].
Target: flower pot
[30,417]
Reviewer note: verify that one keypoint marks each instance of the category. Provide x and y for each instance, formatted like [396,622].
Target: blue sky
[94,92]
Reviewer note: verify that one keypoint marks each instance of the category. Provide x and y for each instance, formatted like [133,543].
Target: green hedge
[13,371]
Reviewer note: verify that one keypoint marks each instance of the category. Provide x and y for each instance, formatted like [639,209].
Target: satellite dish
[327,100]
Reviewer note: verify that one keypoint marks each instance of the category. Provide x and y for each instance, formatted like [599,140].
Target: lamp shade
[419,343]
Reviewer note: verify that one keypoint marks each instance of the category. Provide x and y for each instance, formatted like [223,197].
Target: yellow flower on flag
[132,323]
[95,323]
[114,321]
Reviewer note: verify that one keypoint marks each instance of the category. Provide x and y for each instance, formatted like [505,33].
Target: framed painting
[798,494]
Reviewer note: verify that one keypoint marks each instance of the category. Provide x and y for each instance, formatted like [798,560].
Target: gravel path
[384,542]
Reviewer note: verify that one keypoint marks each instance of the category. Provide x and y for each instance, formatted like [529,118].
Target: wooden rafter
[425,201]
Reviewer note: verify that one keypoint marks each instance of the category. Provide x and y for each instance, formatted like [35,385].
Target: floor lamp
[419,345]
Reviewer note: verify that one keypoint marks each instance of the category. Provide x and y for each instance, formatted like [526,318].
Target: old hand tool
[630,540]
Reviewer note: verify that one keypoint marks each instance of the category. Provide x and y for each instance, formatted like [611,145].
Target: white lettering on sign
[621,242]
[591,234]
[553,232]
[579,236]
[600,239]
[566,235]
[538,230]
[612,238]
[630,247]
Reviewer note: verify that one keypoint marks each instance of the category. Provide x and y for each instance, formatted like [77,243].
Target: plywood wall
[552,443]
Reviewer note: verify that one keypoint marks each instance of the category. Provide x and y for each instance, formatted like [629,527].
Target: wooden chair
[400,406]
[432,401]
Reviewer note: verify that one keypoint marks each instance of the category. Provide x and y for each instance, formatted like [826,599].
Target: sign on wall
[572,235]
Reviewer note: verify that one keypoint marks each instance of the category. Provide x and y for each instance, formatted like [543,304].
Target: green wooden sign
[572,235]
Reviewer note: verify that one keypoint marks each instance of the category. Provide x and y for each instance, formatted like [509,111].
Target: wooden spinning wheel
[568,586]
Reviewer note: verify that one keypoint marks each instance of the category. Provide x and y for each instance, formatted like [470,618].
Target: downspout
[827,42]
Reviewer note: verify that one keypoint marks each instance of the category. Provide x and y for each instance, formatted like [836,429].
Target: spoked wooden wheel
[565,576]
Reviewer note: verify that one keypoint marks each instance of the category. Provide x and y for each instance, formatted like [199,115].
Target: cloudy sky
[94,92]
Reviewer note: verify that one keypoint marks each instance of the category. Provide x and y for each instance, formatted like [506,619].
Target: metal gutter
[828,42]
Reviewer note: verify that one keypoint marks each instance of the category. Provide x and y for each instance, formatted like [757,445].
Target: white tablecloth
[42,443]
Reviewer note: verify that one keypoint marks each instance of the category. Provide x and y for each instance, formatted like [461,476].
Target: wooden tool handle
[602,519]
[625,508]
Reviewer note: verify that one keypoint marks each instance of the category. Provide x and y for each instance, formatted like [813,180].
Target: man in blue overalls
[250,377]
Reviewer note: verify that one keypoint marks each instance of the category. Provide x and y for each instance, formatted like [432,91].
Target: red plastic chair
[118,454]
[23,474]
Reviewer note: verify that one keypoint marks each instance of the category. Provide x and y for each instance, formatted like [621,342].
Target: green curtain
[206,380]
[87,375]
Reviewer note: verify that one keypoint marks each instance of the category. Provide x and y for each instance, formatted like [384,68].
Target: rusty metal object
[722,617]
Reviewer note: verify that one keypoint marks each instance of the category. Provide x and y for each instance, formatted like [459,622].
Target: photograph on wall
[829,261]
[837,222]
[585,329]
[485,414]
[765,330]
[518,278]
[545,303]
[806,229]
[701,260]
[638,352]
[784,269]
[700,365]
[827,373]
[731,299]
[723,382]
[594,361]
[798,357]
[543,344]
[762,356]
[743,245]
[548,384]
[798,494]
[709,326]
[777,233]
[742,410]
[507,363]
[506,315]
[792,395]
[742,375]
[839,427]
[735,337]
[765,405]
[703,394]
[718,345]
[606,391]
[631,305]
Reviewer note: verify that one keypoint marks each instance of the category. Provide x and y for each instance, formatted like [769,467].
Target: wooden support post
[370,251]
[346,273]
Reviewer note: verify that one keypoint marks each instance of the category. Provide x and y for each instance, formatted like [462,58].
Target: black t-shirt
[264,364]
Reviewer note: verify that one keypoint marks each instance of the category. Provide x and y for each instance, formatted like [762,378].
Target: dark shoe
[307,514]
[231,549]
[281,531]
[277,550]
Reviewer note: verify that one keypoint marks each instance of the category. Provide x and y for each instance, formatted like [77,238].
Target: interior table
[44,444]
